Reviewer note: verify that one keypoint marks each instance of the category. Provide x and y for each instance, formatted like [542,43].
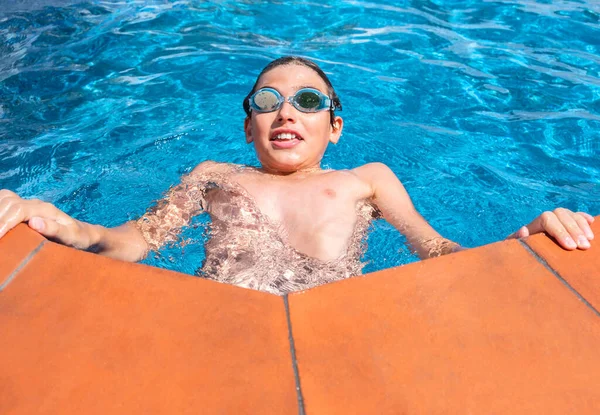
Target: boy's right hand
[44,218]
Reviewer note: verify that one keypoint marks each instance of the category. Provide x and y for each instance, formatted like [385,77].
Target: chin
[283,164]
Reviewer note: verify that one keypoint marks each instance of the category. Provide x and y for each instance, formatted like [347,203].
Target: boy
[288,225]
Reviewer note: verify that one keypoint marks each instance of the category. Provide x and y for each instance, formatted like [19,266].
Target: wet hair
[296,60]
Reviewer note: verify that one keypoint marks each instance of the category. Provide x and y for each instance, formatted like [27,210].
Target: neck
[299,172]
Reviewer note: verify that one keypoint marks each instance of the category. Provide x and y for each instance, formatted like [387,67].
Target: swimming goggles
[305,100]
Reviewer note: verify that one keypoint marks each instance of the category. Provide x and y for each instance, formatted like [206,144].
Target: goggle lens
[308,100]
[305,100]
[266,100]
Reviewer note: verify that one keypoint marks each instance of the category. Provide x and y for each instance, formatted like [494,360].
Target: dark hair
[296,60]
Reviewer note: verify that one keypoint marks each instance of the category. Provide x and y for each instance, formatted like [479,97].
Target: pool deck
[507,328]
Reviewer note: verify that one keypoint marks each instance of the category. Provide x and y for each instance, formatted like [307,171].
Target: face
[312,131]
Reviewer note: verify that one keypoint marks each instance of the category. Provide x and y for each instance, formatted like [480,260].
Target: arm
[123,242]
[128,242]
[570,230]
[391,198]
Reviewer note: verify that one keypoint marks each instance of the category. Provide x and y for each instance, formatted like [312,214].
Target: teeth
[285,136]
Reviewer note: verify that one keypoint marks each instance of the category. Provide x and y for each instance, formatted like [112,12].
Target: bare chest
[315,215]
[309,203]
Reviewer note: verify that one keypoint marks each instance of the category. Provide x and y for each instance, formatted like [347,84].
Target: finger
[16,210]
[566,218]
[537,225]
[47,227]
[37,224]
[587,216]
[63,233]
[568,221]
[4,206]
[584,225]
[521,233]
[10,216]
[11,205]
[552,225]
[4,193]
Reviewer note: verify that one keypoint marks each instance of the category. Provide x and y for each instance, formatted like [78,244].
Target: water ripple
[517,115]
[484,109]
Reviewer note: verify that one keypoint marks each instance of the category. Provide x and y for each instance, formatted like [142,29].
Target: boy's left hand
[571,230]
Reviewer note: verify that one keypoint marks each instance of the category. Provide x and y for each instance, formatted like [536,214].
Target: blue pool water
[488,111]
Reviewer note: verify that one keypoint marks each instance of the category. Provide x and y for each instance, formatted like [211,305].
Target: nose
[287,112]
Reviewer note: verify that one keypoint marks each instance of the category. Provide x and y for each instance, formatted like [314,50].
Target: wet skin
[314,209]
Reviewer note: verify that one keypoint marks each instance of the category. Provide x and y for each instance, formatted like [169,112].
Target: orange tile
[15,246]
[82,334]
[581,269]
[485,331]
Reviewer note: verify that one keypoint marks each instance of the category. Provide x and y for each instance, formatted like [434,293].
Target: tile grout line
[542,261]
[21,265]
[294,361]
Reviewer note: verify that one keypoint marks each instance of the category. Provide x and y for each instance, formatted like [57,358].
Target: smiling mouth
[286,137]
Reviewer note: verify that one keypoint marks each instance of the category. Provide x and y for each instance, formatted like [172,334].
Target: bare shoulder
[376,174]
[210,166]
[370,170]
